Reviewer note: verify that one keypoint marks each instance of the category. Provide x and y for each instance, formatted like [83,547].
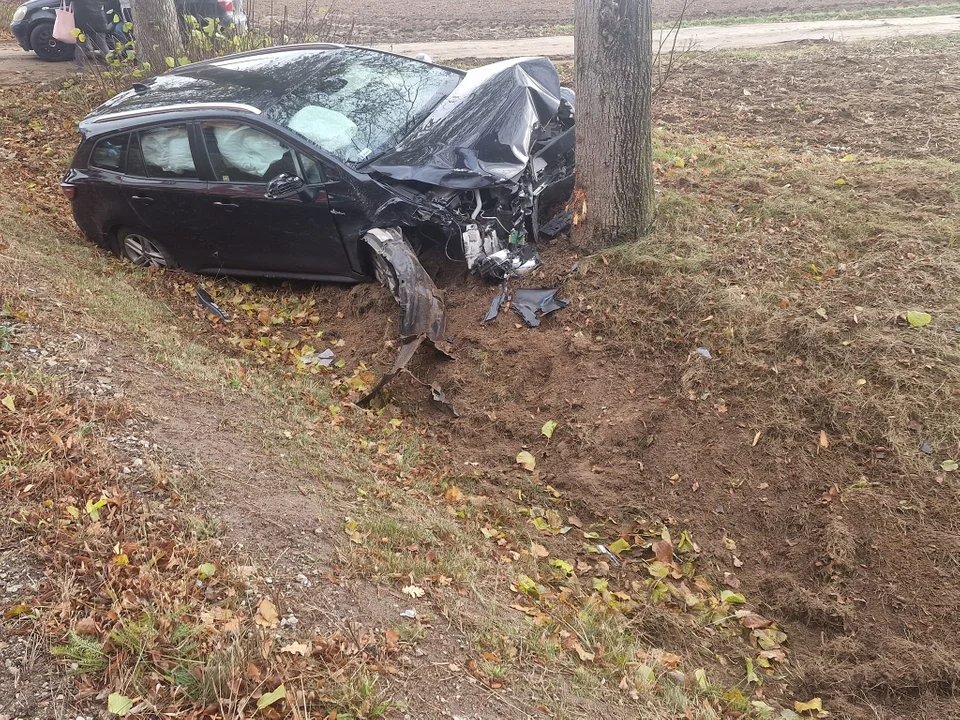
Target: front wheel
[46,47]
[142,250]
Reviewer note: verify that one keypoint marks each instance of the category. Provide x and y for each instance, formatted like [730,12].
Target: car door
[104,176]
[290,236]
[165,191]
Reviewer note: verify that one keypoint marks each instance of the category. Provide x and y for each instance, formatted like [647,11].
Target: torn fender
[422,311]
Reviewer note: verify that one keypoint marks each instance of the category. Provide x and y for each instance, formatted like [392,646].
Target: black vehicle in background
[32,23]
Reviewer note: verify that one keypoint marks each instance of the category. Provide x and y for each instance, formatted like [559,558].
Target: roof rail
[175,108]
[273,49]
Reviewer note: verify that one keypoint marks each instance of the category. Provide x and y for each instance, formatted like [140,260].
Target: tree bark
[614,199]
[156,30]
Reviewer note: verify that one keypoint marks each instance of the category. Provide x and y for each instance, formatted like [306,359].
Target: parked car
[279,162]
[32,23]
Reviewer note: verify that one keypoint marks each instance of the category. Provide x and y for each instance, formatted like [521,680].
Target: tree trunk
[614,200]
[156,29]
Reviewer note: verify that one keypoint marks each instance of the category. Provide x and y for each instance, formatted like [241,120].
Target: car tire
[141,249]
[46,48]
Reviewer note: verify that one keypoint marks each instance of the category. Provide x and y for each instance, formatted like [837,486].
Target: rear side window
[166,153]
[109,153]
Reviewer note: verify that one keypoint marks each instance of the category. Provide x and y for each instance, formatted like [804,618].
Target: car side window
[241,153]
[166,153]
[311,169]
[108,153]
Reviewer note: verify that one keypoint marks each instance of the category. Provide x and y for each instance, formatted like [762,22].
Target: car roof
[250,82]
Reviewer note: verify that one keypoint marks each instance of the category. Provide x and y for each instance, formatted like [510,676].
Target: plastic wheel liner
[422,311]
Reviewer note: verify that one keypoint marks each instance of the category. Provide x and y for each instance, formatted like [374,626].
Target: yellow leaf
[271,697]
[619,546]
[815,705]
[548,428]
[527,461]
[9,404]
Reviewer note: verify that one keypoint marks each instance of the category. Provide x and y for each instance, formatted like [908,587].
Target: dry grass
[796,273]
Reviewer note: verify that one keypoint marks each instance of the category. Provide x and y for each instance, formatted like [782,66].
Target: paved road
[718,37]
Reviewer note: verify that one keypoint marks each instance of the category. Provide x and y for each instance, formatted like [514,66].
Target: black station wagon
[279,162]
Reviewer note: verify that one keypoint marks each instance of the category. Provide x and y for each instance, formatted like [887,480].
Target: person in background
[92,22]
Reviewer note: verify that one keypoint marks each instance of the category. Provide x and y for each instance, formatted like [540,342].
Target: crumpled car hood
[483,132]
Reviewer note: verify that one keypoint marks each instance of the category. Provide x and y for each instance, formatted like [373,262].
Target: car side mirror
[285,186]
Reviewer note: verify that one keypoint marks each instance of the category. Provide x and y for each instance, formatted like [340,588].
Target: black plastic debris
[206,301]
[925,448]
[436,392]
[496,306]
[559,224]
[532,304]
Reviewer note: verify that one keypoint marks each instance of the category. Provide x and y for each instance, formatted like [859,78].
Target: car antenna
[139,87]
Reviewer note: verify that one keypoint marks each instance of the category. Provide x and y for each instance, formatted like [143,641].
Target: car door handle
[227,205]
[145,199]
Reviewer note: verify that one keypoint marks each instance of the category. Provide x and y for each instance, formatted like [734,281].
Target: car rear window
[109,153]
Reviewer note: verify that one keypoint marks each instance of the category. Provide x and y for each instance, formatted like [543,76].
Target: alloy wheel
[142,251]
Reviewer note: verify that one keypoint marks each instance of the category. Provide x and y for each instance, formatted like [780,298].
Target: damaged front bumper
[422,312]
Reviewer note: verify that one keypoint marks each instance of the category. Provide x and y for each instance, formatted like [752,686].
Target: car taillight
[225,5]
[69,191]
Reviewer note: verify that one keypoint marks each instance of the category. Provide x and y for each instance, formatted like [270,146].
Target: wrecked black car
[279,162]
[329,162]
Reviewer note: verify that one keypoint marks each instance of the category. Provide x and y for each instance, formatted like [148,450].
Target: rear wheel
[142,250]
[46,48]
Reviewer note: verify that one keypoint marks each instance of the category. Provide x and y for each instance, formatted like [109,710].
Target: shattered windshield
[361,103]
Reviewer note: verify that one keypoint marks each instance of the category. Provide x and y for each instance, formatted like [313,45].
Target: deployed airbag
[168,149]
[247,149]
[331,130]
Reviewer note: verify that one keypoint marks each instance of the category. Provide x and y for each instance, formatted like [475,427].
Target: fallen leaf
[8,403]
[207,570]
[919,319]
[619,546]
[815,705]
[453,494]
[526,461]
[949,466]
[575,521]
[548,428]
[824,440]
[756,439]
[732,598]
[270,698]
[267,614]
[538,550]
[119,704]
[663,550]
[297,648]
[585,656]
[86,626]
[752,621]
[414,591]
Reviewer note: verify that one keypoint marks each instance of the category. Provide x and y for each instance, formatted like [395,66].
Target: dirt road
[17,66]
[720,37]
